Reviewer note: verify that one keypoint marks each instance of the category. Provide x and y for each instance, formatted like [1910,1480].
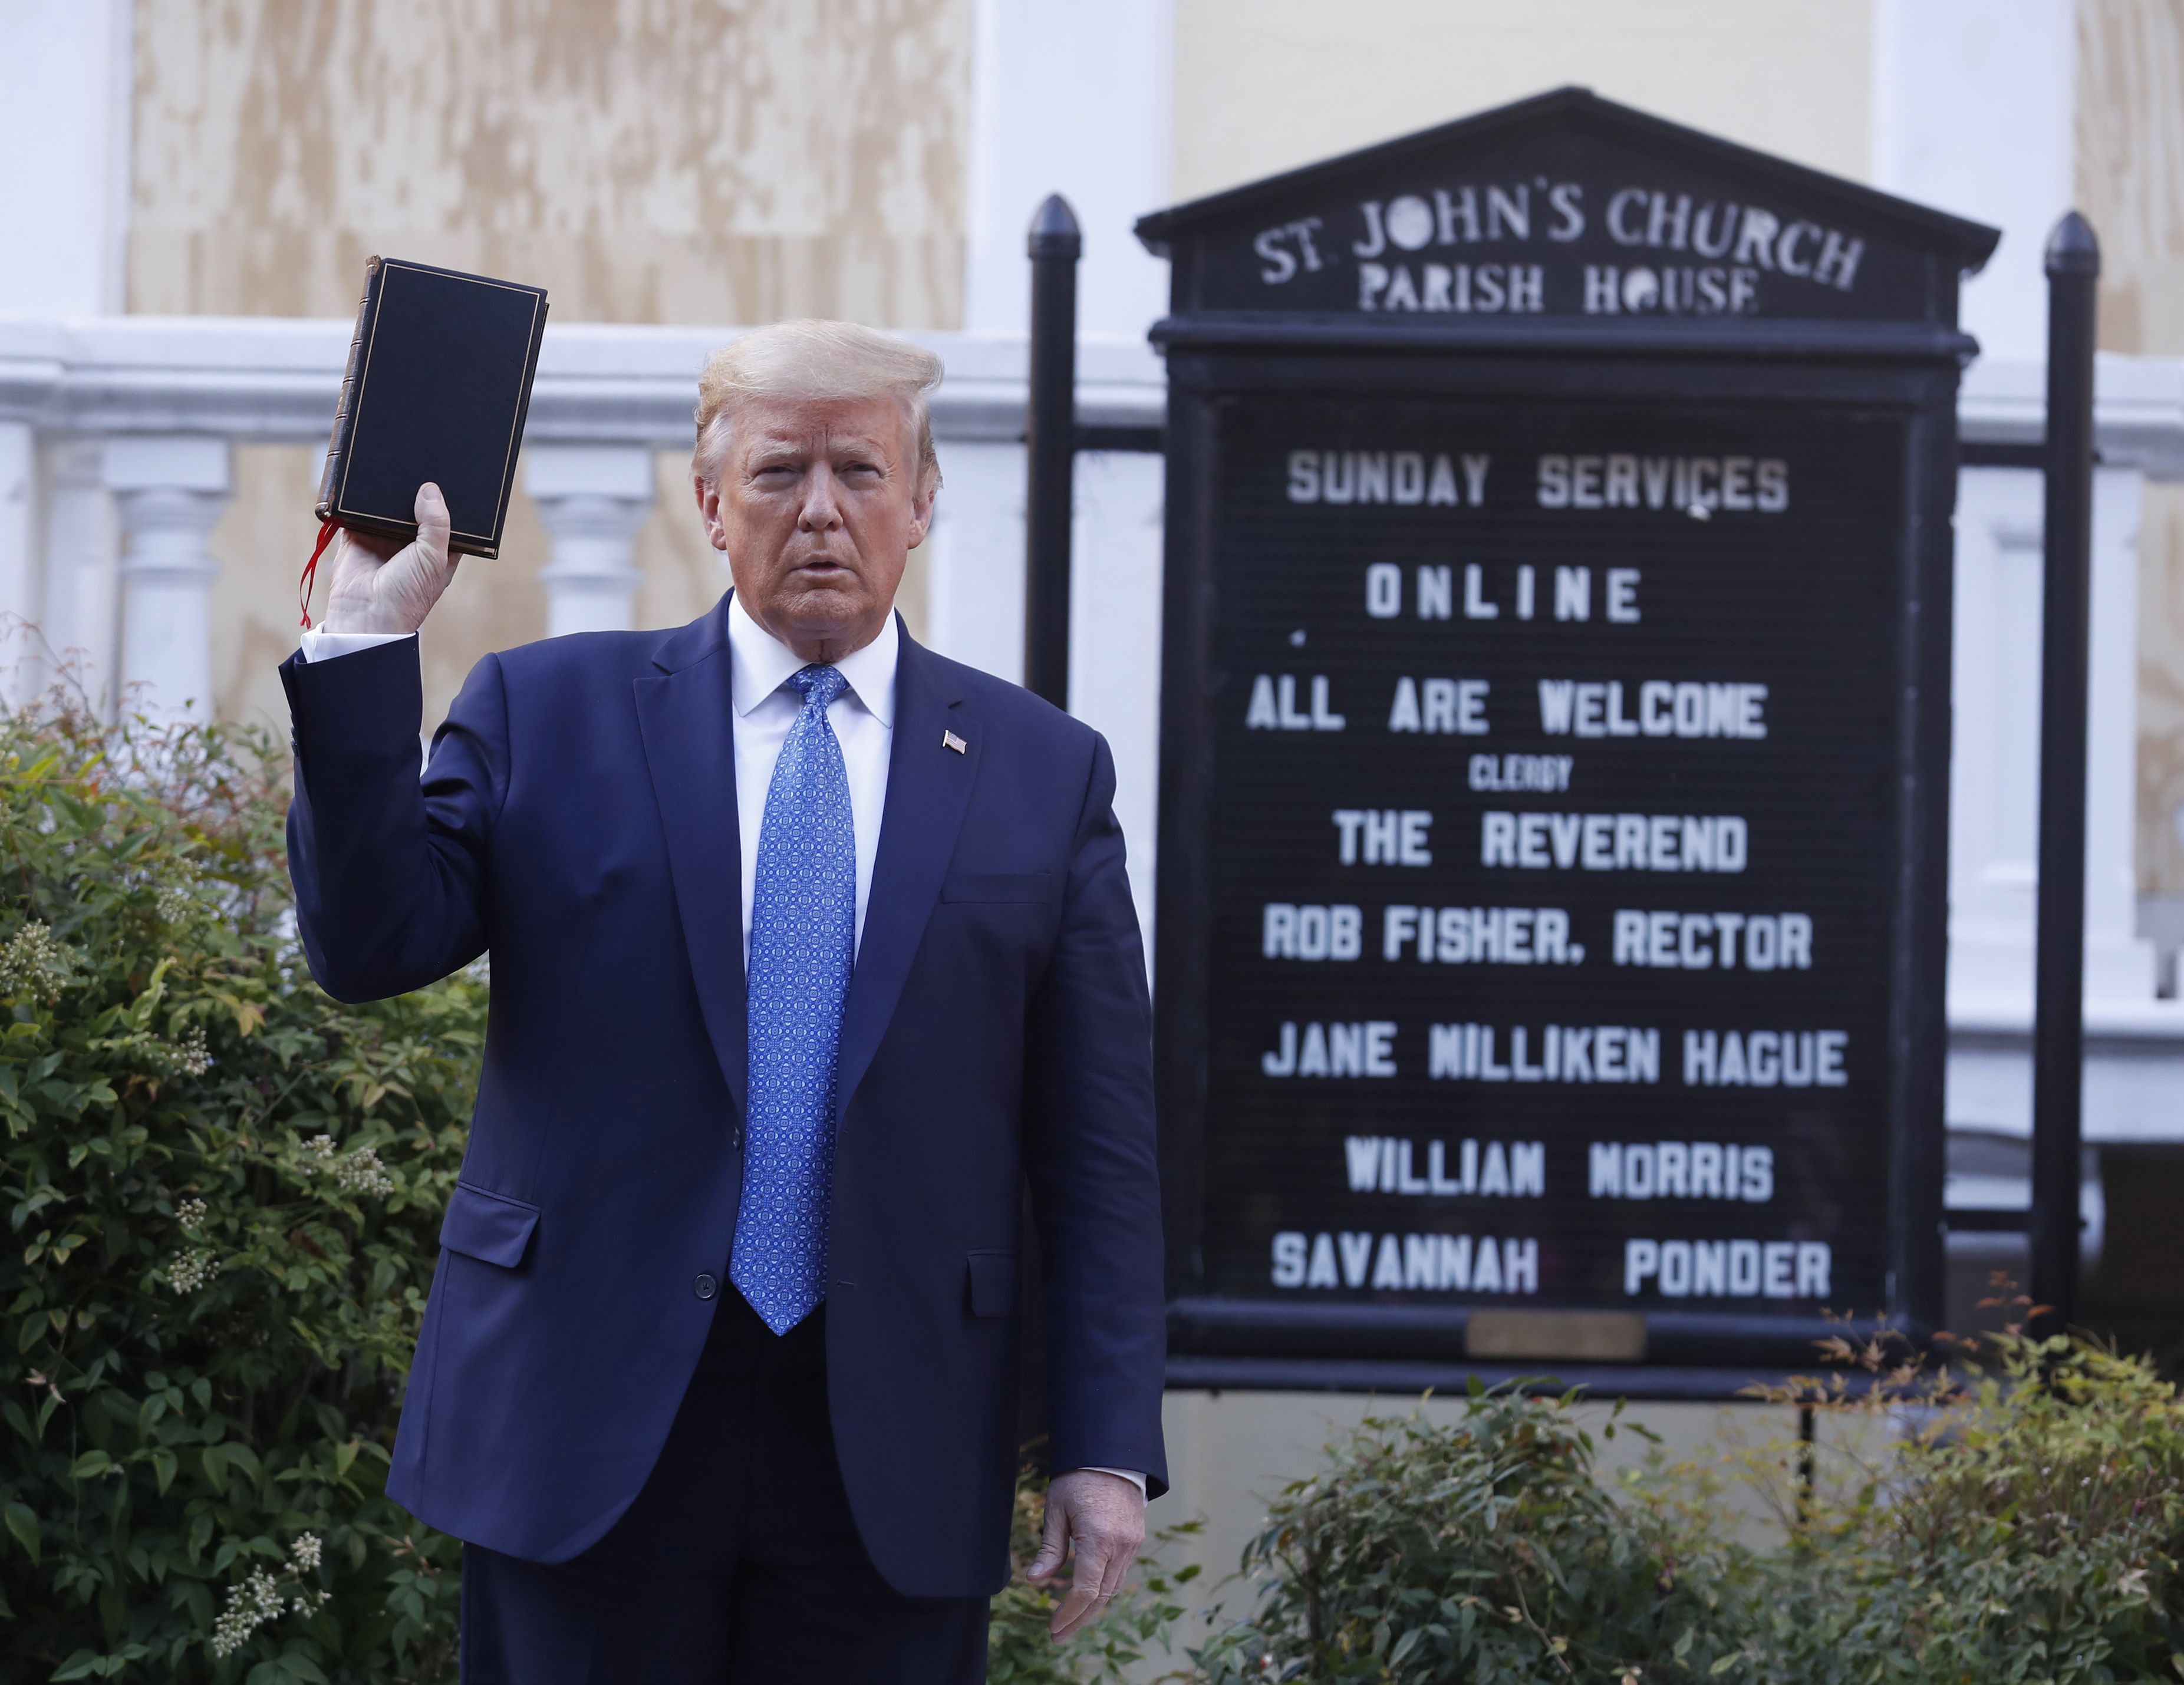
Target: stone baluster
[592,499]
[20,669]
[170,490]
[81,589]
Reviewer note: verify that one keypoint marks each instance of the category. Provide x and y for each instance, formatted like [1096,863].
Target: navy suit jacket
[577,818]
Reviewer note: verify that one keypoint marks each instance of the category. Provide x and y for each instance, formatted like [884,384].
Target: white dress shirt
[767,706]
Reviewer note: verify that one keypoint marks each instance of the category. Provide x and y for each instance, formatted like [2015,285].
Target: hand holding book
[381,585]
[432,413]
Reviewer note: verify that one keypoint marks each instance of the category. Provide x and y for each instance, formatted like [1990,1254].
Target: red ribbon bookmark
[327,528]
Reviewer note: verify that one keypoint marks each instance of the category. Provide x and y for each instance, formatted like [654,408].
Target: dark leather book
[437,388]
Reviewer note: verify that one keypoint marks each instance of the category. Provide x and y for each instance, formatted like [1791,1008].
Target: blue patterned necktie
[803,942]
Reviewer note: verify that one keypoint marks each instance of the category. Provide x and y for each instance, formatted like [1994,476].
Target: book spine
[329,482]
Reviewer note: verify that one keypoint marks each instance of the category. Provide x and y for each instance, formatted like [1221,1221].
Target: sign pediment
[1565,206]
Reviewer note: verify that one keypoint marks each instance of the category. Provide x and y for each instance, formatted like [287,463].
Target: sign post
[1554,758]
[1054,246]
[2074,270]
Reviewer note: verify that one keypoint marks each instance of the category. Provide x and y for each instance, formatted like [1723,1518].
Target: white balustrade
[1119,536]
[134,417]
[170,489]
[1995,796]
[79,603]
[974,600]
[20,668]
[592,499]
[2134,1084]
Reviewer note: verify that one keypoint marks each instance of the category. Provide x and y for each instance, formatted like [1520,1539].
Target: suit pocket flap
[1000,887]
[996,1281]
[490,1227]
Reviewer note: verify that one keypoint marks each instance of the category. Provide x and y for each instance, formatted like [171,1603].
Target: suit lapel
[687,715]
[929,787]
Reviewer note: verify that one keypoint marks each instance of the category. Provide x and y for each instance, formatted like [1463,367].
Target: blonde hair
[813,359]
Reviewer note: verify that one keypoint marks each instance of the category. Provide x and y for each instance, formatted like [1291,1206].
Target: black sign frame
[1901,370]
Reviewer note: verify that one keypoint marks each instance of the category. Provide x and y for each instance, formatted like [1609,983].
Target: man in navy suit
[809,947]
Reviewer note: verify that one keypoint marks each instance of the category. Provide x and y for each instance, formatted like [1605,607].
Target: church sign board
[1554,755]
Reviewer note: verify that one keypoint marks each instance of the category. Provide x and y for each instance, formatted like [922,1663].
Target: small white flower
[191,1213]
[176,904]
[361,1172]
[250,1605]
[357,1172]
[33,965]
[191,1270]
[306,1550]
[189,1056]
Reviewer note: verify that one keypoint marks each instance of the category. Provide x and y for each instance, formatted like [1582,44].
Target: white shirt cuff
[320,645]
[1129,1475]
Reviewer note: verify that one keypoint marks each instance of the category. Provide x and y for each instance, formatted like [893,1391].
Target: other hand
[379,587]
[1099,1520]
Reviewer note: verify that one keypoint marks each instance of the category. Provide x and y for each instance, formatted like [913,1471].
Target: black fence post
[1056,244]
[2074,268]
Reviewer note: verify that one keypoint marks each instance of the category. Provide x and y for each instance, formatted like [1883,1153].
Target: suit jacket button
[705,1287]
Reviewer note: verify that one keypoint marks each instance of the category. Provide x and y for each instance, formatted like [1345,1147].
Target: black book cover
[438,384]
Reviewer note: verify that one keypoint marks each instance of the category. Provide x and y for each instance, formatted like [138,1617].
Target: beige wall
[1262,85]
[2130,166]
[2130,183]
[645,160]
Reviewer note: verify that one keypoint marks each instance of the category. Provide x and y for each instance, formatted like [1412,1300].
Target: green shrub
[2023,1520]
[223,1192]
[2018,1518]
[1482,1550]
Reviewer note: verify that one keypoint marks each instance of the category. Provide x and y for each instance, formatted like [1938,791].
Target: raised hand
[1099,1519]
[380,587]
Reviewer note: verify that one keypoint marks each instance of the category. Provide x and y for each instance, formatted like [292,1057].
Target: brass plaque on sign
[1594,1336]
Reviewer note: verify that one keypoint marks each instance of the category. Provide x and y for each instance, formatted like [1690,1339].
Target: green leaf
[91,1465]
[23,1523]
[243,1457]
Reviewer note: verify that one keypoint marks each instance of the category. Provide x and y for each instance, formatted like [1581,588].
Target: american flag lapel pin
[949,740]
